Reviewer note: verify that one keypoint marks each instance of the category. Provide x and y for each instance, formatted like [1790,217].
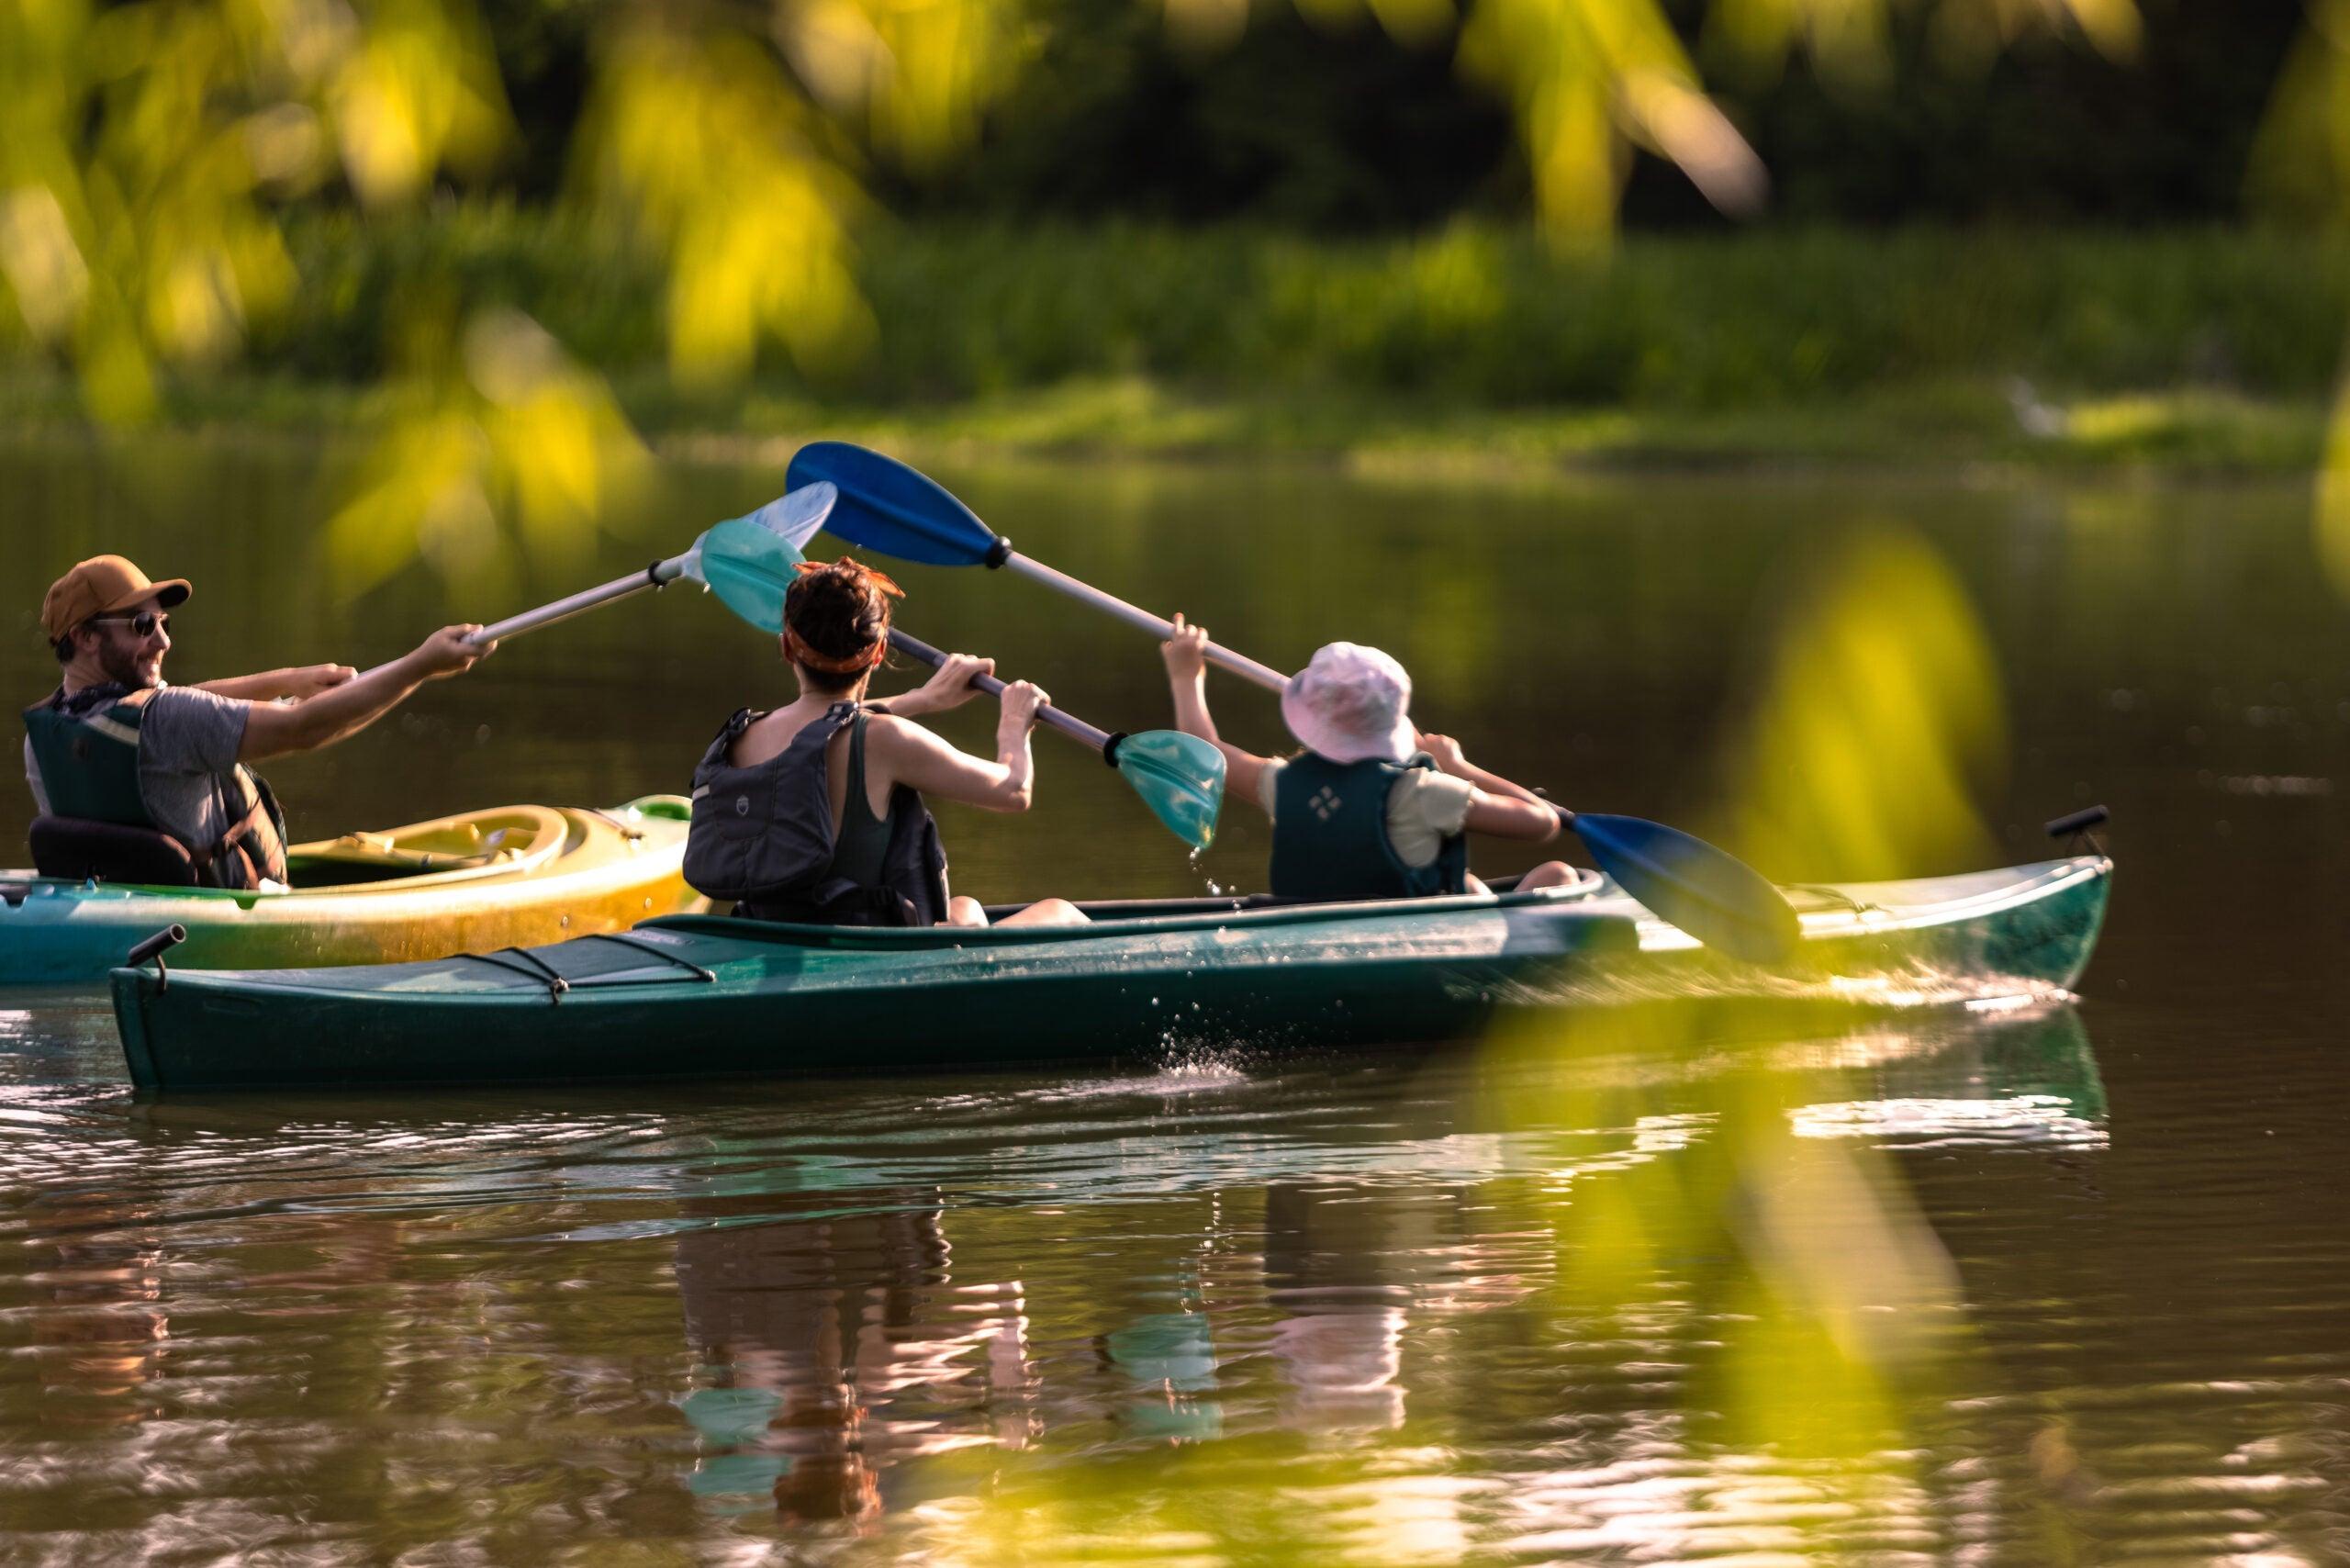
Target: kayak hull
[549,873]
[702,996]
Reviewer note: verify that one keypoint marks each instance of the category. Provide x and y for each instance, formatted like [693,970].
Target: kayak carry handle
[2077,825]
[155,947]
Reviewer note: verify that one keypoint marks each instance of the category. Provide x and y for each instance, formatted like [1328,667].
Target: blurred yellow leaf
[42,262]
[420,90]
[1590,78]
[698,143]
[1882,705]
[498,425]
[2333,497]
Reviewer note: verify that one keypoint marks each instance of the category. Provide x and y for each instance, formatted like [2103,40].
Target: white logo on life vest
[742,805]
[1326,802]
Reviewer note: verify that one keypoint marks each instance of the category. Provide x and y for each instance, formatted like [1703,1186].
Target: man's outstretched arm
[296,681]
[274,729]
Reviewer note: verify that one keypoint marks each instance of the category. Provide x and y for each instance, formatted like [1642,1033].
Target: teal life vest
[87,747]
[1330,837]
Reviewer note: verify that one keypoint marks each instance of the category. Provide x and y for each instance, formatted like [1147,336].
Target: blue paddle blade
[1180,777]
[886,506]
[796,515]
[748,567]
[1712,895]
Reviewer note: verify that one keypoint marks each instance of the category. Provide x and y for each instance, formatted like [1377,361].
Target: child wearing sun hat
[1370,807]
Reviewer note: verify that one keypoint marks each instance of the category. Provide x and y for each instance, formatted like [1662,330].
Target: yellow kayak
[512,876]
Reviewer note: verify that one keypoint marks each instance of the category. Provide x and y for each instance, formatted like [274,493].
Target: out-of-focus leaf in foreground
[491,423]
[1879,708]
[697,144]
[2301,170]
[1585,78]
[144,149]
[1835,1299]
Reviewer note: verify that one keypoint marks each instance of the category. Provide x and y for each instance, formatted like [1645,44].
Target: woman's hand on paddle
[447,651]
[948,687]
[1186,653]
[1021,700]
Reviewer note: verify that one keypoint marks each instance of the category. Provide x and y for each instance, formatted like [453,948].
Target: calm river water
[1488,1305]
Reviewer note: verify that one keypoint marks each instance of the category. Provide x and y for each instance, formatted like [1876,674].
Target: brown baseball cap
[100,586]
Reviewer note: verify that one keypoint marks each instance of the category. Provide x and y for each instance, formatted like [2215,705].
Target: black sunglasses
[146,623]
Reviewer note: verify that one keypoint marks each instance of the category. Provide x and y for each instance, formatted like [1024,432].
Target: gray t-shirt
[188,742]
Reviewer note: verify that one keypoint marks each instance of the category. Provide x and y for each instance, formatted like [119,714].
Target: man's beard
[120,665]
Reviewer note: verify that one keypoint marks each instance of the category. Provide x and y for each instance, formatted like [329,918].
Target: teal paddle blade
[886,506]
[1180,777]
[797,515]
[1709,892]
[748,567]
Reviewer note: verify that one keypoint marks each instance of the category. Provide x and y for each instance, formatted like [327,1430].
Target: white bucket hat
[1349,705]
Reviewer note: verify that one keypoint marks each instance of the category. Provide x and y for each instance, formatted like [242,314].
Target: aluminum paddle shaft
[1100,740]
[901,511]
[1179,777]
[660,574]
[1135,615]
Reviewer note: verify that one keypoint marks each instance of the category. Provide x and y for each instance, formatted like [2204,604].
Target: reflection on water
[888,1310]
[1311,1309]
[834,1348]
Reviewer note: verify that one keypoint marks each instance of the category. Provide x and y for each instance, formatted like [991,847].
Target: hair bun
[836,615]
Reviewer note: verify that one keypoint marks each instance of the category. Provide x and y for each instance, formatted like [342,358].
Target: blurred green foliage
[1320,118]
[1483,315]
[154,149]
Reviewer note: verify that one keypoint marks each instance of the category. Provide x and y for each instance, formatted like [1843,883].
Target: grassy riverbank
[1951,427]
[2205,349]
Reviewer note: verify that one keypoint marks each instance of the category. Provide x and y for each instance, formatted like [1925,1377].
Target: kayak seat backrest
[75,848]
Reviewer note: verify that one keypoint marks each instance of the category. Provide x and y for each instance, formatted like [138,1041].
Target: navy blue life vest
[1330,836]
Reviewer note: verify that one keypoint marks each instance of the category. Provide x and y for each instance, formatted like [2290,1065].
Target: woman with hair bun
[814,812]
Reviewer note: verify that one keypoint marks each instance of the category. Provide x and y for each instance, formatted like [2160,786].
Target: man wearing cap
[115,745]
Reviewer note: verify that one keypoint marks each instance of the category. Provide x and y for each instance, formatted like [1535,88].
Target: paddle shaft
[1133,615]
[1077,729]
[658,575]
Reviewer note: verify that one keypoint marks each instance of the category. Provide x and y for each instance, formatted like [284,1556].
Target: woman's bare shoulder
[897,736]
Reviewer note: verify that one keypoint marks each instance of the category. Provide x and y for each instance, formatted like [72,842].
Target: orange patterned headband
[796,648]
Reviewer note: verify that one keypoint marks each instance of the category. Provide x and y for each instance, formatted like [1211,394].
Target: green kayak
[703,996]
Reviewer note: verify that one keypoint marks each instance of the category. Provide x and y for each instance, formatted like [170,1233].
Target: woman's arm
[949,686]
[908,754]
[1186,656]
